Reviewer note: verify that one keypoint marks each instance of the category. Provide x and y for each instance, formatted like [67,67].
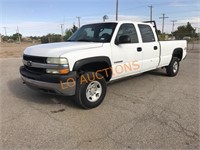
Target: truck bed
[167,48]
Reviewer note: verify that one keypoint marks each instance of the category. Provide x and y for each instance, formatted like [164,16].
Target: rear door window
[146,33]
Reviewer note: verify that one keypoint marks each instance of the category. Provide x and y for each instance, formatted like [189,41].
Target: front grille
[35,70]
[35,59]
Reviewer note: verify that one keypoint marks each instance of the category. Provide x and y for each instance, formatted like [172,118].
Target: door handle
[139,49]
[155,47]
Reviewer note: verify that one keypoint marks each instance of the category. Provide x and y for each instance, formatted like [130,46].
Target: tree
[16,36]
[35,37]
[74,28]
[183,31]
[69,32]
[5,38]
[44,39]
[51,38]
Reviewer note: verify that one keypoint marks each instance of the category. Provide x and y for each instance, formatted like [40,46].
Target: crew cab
[97,54]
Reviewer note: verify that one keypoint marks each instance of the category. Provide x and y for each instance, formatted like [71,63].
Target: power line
[163,23]
[151,8]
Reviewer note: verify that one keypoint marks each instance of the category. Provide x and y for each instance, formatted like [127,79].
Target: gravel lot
[146,111]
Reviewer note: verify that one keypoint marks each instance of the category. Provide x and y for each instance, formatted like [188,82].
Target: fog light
[57,71]
[52,71]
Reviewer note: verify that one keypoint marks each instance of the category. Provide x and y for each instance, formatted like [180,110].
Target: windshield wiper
[84,40]
[70,40]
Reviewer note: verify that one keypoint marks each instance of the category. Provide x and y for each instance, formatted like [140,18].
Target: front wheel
[91,90]
[173,67]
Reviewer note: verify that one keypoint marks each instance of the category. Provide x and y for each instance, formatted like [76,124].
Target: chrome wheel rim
[175,67]
[93,91]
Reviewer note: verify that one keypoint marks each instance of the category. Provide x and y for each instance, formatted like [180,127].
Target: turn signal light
[63,71]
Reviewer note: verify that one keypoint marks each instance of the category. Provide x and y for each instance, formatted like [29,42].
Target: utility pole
[18,35]
[117,5]
[151,14]
[79,21]
[61,27]
[196,30]
[5,29]
[163,23]
[173,24]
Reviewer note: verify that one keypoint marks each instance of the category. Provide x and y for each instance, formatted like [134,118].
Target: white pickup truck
[96,54]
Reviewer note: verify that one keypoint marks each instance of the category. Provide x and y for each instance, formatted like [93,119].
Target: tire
[90,94]
[173,68]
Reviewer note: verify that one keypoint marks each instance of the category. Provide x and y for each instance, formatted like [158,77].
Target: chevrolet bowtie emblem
[29,63]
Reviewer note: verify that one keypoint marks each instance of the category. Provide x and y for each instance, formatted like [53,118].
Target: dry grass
[10,50]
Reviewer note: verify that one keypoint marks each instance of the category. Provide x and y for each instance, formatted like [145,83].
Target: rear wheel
[173,68]
[91,92]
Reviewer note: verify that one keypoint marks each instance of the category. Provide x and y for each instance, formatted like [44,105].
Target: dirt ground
[10,50]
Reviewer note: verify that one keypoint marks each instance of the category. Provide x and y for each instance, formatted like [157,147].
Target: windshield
[101,32]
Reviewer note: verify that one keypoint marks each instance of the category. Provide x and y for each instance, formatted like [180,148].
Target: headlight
[55,60]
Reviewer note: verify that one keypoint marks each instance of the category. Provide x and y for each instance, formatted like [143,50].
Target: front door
[127,57]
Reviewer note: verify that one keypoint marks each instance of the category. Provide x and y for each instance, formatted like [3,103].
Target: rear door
[150,47]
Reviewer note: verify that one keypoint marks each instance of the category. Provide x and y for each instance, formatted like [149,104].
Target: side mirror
[124,39]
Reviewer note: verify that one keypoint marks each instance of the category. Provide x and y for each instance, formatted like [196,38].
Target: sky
[40,17]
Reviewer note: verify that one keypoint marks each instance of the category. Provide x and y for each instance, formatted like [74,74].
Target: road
[150,110]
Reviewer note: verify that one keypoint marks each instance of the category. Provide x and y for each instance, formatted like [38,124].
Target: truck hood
[57,49]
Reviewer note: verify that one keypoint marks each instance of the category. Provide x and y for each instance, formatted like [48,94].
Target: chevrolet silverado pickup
[97,54]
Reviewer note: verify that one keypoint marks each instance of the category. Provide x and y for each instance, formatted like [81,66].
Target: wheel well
[98,66]
[178,52]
